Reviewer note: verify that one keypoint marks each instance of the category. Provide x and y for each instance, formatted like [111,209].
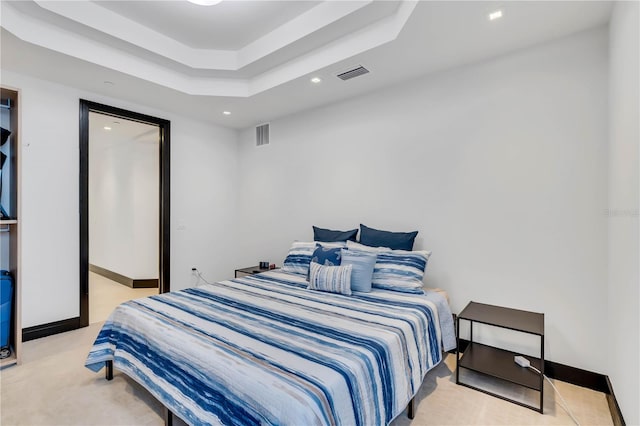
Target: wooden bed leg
[108,370]
[411,408]
[168,417]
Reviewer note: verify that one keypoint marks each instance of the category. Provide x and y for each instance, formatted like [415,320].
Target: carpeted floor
[52,387]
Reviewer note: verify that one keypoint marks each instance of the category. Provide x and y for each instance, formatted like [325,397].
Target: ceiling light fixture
[495,15]
[316,80]
[107,128]
[205,2]
[226,112]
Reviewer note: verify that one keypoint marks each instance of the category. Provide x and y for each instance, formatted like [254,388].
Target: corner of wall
[623,210]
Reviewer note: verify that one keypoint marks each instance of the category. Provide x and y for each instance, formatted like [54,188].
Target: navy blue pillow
[330,236]
[393,240]
[327,256]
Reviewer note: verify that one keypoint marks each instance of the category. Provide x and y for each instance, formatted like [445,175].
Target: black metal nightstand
[498,362]
[251,270]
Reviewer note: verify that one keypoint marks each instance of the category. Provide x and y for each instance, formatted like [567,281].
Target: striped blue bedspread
[265,350]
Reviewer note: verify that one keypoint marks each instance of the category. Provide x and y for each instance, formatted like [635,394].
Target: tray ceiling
[255,58]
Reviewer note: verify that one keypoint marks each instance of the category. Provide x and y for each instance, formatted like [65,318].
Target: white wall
[501,166]
[624,203]
[202,189]
[124,196]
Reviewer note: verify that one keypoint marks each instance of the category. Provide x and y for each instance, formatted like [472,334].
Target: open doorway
[124,208]
[123,212]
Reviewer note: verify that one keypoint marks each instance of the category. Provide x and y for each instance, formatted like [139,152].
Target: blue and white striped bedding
[263,349]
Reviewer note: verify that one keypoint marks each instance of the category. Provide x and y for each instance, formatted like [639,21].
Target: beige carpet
[52,387]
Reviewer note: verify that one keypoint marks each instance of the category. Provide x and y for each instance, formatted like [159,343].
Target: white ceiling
[107,132]
[230,25]
[259,68]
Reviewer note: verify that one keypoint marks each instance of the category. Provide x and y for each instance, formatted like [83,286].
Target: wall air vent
[262,134]
[353,73]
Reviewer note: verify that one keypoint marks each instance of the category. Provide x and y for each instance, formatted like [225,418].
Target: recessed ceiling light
[495,15]
[205,2]
[108,83]
[316,80]
[107,128]
[226,112]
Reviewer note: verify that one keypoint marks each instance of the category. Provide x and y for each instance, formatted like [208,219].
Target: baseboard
[614,408]
[129,282]
[579,377]
[576,376]
[44,330]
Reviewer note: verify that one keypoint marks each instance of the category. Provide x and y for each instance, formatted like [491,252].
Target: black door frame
[164,187]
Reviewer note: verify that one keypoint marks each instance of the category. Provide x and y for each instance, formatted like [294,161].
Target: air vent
[356,72]
[262,134]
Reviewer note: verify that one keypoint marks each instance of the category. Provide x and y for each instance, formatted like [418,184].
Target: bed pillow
[400,270]
[329,235]
[332,279]
[393,240]
[352,245]
[363,264]
[299,256]
[329,256]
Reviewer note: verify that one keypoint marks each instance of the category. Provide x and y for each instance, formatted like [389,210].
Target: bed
[263,349]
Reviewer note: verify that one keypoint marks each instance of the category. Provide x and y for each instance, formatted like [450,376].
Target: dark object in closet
[5,135]
[3,158]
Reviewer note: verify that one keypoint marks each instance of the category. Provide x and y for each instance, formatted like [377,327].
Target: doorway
[126,161]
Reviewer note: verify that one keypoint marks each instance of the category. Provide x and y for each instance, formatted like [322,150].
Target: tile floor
[105,295]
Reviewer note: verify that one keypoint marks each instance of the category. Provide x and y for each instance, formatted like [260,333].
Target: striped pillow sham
[397,270]
[332,279]
[400,270]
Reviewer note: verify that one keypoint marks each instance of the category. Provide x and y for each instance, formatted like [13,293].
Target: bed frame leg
[411,408]
[108,371]
[168,417]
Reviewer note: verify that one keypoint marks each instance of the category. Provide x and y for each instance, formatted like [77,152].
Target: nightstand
[251,270]
[497,362]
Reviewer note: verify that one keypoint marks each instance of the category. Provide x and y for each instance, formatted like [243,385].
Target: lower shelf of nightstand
[499,363]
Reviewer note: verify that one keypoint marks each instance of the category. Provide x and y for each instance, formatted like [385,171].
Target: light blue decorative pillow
[400,270]
[299,256]
[332,279]
[363,264]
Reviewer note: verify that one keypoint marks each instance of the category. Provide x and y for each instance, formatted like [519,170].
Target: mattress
[263,349]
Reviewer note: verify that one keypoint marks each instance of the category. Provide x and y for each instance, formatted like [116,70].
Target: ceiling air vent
[356,72]
[262,134]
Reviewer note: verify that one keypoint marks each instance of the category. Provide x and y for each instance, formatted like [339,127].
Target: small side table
[251,270]
[497,362]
